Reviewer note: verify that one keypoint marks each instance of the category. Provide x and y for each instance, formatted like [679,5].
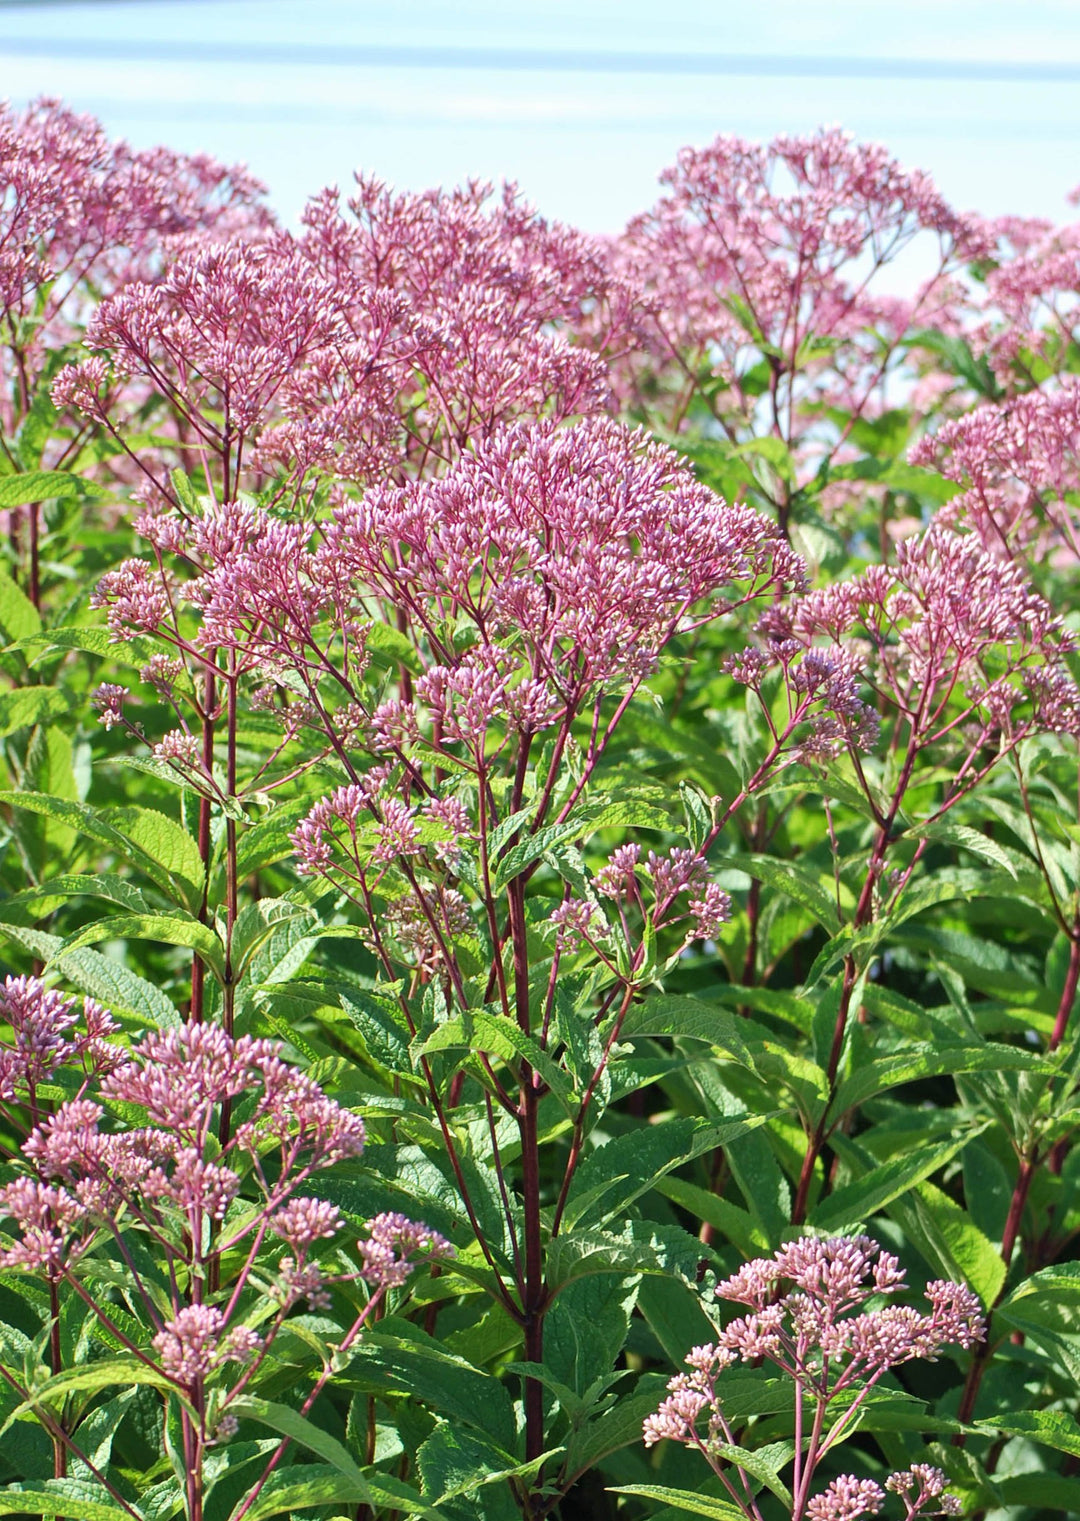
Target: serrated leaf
[665,1014]
[921,1061]
[169,867]
[382,1026]
[257,921]
[43,486]
[61,1497]
[480,1030]
[169,929]
[857,1202]
[305,1485]
[104,979]
[794,880]
[972,840]
[290,1423]
[632,1163]
[640,1247]
[523,854]
[27,706]
[735,1224]
[1052,1428]
[396,1357]
[106,1374]
[268,841]
[455,1462]
[682,1499]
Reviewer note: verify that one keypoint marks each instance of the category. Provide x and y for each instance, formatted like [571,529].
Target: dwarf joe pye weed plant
[552,767]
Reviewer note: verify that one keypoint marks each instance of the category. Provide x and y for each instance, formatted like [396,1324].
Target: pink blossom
[769,256]
[919,1486]
[392,1242]
[301,1222]
[845,1499]
[40,1020]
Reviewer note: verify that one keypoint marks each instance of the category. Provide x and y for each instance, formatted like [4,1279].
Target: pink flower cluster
[762,263]
[949,636]
[171,1168]
[79,214]
[43,1035]
[807,1315]
[1018,465]
[488,281]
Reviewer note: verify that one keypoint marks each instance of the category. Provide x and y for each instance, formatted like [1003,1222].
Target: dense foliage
[539,847]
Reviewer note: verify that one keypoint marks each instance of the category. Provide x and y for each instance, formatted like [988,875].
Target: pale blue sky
[584,133]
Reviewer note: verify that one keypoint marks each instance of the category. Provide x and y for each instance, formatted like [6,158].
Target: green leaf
[1041,1492]
[107,980]
[170,929]
[290,1423]
[762,1464]
[665,1014]
[920,1061]
[533,847]
[91,639]
[1053,1428]
[640,1247]
[953,1246]
[856,1202]
[381,1023]
[268,841]
[795,881]
[308,1484]
[615,1428]
[455,1462]
[479,1030]
[387,640]
[43,486]
[61,1497]
[1059,1284]
[761,1181]
[257,921]
[162,840]
[106,1374]
[587,1328]
[735,1224]
[631,1164]
[79,885]
[398,1358]
[27,706]
[19,618]
[674,1313]
[151,841]
[972,840]
[683,1499]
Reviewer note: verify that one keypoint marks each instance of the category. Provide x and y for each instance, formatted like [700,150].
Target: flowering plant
[552,766]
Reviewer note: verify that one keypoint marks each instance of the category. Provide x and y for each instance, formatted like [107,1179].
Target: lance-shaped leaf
[683,1499]
[107,980]
[481,1030]
[858,1201]
[150,841]
[632,1163]
[915,1062]
[170,929]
